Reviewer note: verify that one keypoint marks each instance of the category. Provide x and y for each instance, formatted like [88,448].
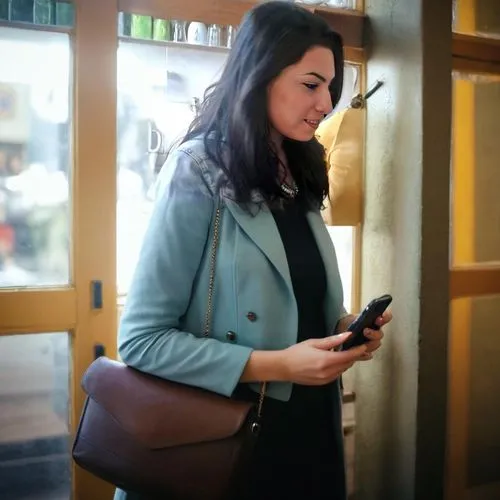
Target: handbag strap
[209,312]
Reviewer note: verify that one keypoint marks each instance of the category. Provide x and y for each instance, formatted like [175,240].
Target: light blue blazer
[254,305]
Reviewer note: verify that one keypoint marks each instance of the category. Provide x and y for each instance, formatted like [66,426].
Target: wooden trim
[351,55]
[358,230]
[477,67]
[476,48]
[356,268]
[462,173]
[228,12]
[354,55]
[458,402]
[348,427]
[36,311]
[348,23]
[462,250]
[176,45]
[473,281]
[35,27]
[348,397]
[94,214]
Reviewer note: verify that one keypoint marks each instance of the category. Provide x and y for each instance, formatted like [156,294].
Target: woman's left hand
[375,336]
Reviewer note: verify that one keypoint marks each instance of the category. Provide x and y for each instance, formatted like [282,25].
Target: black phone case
[366,320]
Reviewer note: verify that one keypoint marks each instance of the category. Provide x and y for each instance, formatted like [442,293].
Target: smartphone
[366,320]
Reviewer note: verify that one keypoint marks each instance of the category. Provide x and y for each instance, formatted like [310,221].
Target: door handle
[99,351]
[96,290]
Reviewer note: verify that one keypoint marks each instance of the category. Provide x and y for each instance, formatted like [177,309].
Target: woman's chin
[301,136]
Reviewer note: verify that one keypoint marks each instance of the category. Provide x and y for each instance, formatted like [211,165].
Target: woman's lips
[314,124]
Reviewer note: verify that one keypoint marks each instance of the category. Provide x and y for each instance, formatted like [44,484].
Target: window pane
[342,238]
[34,416]
[48,12]
[477,17]
[157,91]
[480,322]
[35,152]
[475,170]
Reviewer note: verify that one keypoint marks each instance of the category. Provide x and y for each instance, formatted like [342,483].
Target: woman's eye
[311,86]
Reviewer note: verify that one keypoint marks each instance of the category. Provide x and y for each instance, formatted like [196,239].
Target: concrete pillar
[401,395]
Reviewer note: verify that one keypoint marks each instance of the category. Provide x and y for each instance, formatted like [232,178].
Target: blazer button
[251,316]
[231,336]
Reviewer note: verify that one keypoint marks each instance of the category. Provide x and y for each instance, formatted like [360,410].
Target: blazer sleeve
[149,337]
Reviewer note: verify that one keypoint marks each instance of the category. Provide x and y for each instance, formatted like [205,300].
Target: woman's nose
[324,104]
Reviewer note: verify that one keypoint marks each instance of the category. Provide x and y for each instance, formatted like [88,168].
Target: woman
[278,297]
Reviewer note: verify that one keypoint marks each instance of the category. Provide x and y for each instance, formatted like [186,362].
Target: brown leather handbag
[161,439]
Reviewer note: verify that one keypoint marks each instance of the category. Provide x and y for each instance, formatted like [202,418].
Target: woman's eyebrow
[317,75]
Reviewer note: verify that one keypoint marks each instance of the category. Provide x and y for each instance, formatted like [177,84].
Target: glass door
[57,262]
[161,78]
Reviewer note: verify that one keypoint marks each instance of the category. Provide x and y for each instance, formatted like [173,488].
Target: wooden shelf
[224,12]
[348,397]
[177,45]
[350,24]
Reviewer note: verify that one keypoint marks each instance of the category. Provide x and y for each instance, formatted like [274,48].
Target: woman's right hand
[314,361]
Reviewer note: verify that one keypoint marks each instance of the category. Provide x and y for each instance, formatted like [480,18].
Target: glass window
[475,170]
[477,17]
[479,322]
[35,153]
[158,91]
[42,12]
[34,416]
[342,238]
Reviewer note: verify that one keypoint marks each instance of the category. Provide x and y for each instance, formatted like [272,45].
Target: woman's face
[299,98]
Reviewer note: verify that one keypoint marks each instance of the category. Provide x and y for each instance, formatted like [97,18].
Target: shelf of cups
[178,33]
[349,23]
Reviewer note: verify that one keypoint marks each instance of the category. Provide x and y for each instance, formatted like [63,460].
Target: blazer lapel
[334,294]
[262,229]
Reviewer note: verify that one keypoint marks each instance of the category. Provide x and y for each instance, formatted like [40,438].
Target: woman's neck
[277,147]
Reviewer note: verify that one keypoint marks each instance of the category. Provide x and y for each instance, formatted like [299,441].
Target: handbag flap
[160,413]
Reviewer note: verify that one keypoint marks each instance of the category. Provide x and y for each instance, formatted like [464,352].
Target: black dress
[297,456]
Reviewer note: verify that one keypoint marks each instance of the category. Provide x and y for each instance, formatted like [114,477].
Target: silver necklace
[289,191]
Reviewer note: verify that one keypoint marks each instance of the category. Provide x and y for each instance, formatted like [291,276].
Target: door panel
[476,176]
[35,157]
[57,236]
[473,457]
[483,465]
[34,415]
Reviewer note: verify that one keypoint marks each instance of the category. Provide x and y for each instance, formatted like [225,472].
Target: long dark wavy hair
[233,118]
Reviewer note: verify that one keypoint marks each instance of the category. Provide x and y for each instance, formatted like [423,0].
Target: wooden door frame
[476,55]
[95,188]
[93,218]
